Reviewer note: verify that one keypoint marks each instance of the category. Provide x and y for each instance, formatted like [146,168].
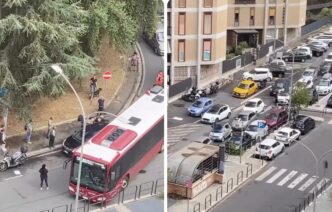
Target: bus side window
[114,175]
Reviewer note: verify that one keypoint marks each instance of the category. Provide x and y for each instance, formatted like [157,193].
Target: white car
[324,38]
[216,113]
[287,135]
[280,63]
[269,148]
[319,44]
[306,50]
[306,81]
[324,87]
[258,74]
[328,58]
[310,72]
[255,105]
[257,131]
[283,98]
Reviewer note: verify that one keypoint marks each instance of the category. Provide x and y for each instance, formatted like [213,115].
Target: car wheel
[269,79]
[228,115]
[298,138]
[282,150]
[217,120]
[286,59]
[249,78]
[330,44]
[272,157]
[303,60]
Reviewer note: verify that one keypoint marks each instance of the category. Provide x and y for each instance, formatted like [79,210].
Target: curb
[138,86]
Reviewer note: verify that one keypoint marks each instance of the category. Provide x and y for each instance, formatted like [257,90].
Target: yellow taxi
[245,89]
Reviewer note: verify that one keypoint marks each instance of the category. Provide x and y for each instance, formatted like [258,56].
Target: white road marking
[297,180]
[330,122]
[308,183]
[287,178]
[276,176]
[176,135]
[178,118]
[266,173]
[17,172]
[318,185]
[11,178]
[187,129]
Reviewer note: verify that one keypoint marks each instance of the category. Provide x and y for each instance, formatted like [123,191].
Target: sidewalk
[324,202]
[236,174]
[126,91]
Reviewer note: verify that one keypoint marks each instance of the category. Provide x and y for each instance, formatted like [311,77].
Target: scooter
[214,87]
[200,93]
[189,96]
[18,158]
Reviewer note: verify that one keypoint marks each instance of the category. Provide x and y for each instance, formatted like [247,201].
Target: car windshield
[198,104]
[242,117]
[236,138]
[217,128]
[272,116]
[307,73]
[283,94]
[279,85]
[323,83]
[252,72]
[282,134]
[250,104]
[243,86]
[92,174]
[262,146]
[160,36]
[252,128]
[214,109]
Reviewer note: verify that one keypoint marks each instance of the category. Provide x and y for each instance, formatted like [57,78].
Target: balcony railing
[245,1]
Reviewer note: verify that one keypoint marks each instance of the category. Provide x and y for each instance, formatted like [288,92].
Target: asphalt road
[20,189]
[272,193]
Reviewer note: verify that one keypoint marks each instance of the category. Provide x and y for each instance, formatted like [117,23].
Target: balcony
[245,2]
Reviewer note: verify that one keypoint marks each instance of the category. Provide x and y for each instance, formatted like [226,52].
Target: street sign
[261,124]
[107,75]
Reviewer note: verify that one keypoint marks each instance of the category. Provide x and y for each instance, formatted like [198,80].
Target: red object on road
[107,75]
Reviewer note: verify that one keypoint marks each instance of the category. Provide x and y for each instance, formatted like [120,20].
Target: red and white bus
[120,150]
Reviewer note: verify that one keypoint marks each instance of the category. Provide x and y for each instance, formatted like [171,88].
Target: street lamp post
[58,70]
[291,90]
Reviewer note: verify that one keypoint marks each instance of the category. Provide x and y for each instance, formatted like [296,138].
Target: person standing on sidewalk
[101,103]
[93,86]
[134,62]
[28,129]
[49,126]
[43,176]
[52,138]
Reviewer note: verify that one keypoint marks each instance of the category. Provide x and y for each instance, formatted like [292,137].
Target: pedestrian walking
[43,176]
[49,126]
[101,103]
[93,85]
[51,138]
[28,130]
[134,62]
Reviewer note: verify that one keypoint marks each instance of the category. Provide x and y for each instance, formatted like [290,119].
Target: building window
[182,23]
[252,16]
[272,15]
[169,28]
[181,50]
[236,16]
[208,3]
[207,50]
[207,23]
[182,3]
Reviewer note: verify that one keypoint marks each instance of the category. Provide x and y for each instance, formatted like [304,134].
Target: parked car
[313,95]
[258,132]
[75,139]
[280,85]
[304,124]
[242,120]
[277,71]
[306,82]
[280,63]
[276,118]
[329,102]
[298,57]
[200,106]
[327,76]
[319,43]
[242,140]
[255,105]
[287,135]
[216,113]
[157,40]
[324,68]
[258,74]
[328,58]
[324,87]
[310,72]
[317,51]
[269,148]
[282,98]
[305,50]
[324,38]
[220,131]
[245,89]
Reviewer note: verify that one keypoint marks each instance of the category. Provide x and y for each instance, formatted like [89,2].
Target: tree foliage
[300,96]
[33,35]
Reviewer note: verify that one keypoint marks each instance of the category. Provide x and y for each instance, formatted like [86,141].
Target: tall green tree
[33,35]
[300,96]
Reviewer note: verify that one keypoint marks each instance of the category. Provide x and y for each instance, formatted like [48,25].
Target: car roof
[221,123]
[301,117]
[245,112]
[261,69]
[310,69]
[285,129]
[220,105]
[254,100]
[268,142]
[276,110]
[247,82]
[204,99]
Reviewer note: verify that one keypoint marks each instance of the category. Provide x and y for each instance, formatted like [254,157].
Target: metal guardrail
[133,193]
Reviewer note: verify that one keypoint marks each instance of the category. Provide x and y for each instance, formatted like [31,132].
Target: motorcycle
[200,93]
[214,87]
[261,84]
[189,96]
[18,158]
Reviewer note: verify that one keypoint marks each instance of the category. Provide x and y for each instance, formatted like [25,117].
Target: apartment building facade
[200,31]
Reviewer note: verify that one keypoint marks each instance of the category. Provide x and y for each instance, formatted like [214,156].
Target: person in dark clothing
[93,85]
[51,138]
[43,176]
[101,103]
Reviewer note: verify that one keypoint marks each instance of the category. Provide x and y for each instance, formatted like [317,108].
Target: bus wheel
[125,182]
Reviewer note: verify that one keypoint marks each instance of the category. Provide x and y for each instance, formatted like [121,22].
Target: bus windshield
[92,175]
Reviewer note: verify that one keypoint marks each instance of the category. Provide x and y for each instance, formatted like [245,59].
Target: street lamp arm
[324,154]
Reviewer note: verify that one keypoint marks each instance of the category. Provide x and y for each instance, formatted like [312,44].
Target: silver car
[242,120]
[220,131]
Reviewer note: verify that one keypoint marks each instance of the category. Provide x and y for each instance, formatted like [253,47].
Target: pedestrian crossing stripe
[287,178]
[297,180]
[319,185]
[308,183]
[266,173]
[276,176]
